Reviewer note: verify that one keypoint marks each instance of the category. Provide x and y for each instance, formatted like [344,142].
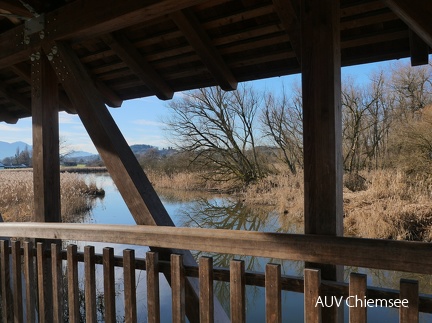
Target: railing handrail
[405,256]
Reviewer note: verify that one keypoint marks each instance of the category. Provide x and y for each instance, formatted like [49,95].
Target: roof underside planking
[134,48]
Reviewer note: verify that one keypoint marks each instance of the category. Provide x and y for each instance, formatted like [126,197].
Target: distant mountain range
[9,149]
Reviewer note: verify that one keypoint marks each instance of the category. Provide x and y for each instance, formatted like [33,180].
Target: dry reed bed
[387,204]
[16,198]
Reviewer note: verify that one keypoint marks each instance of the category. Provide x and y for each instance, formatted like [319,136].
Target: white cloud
[6,127]
[144,122]
[66,118]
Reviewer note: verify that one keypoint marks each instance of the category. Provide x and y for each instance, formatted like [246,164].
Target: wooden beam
[8,118]
[77,20]
[109,96]
[406,256]
[15,8]
[419,50]
[289,12]
[23,71]
[46,162]
[322,127]
[15,98]
[134,186]
[416,14]
[200,41]
[130,55]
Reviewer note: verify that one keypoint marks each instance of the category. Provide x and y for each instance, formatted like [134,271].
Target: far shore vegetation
[249,144]
[16,198]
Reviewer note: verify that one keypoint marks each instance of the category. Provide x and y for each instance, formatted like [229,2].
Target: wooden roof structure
[80,55]
[134,49]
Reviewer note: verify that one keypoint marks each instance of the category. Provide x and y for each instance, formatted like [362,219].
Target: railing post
[312,288]
[237,291]
[17,281]
[153,301]
[129,286]
[178,289]
[206,290]
[273,293]
[357,290]
[109,285]
[6,292]
[90,284]
[409,291]
[72,278]
[29,264]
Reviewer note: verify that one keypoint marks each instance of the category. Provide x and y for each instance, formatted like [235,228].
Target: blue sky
[140,120]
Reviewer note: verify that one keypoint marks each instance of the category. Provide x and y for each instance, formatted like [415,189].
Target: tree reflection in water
[231,214]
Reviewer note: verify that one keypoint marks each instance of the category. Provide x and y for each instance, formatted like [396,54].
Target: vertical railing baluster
[178,289]
[312,284]
[273,289]
[109,285]
[129,286]
[17,282]
[7,303]
[357,290]
[57,284]
[72,278]
[90,284]
[206,290]
[409,292]
[153,300]
[29,281]
[40,256]
[237,291]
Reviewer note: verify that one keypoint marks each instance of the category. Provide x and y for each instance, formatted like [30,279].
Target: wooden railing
[382,254]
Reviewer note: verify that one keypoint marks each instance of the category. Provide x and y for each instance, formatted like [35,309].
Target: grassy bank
[381,204]
[16,199]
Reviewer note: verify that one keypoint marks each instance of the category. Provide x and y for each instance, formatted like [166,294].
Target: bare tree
[412,87]
[282,121]
[219,128]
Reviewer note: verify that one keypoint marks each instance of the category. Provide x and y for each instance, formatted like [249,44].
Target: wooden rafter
[200,41]
[82,23]
[109,96]
[15,98]
[288,12]
[15,8]
[128,53]
[419,50]
[416,14]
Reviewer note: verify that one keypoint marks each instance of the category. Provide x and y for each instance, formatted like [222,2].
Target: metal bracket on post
[33,26]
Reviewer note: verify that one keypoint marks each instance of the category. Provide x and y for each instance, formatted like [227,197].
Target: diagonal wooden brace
[130,179]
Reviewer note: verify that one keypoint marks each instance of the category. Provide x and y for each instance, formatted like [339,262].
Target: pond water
[207,211]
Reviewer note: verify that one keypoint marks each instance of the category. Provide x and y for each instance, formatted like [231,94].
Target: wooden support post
[322,124]
[46,160]
[46,163]
[134,186]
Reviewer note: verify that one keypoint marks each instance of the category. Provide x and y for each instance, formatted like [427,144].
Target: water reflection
[224,212]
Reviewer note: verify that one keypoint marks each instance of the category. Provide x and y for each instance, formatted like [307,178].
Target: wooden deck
[382,254]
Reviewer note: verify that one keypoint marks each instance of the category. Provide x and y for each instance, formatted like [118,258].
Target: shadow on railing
[406,256]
